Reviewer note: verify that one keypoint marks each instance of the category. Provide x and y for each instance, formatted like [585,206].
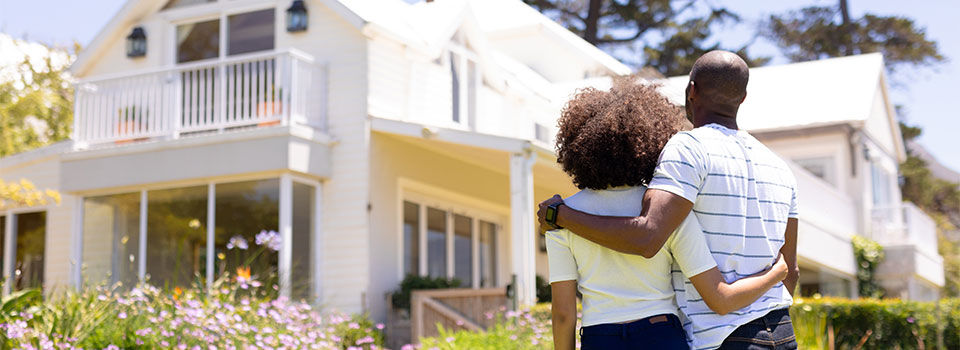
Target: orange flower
[177,292]
[243,273]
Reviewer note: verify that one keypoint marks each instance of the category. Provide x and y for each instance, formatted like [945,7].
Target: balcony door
[230,89]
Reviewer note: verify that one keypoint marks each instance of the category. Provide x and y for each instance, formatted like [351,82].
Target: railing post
[221,89]
[287,93]
[177,114]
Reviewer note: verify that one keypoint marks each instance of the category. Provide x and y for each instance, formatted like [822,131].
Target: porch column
[76,273]
[9,239]
[522,227]
[318,244]
[286,233]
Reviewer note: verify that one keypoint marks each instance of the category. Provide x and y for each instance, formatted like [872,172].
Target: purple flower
[910,319]
[270,239]
[239,242]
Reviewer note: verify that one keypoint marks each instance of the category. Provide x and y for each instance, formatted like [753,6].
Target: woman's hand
[780,268]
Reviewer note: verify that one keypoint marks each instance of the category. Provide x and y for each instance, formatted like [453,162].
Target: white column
[76,229]
[522,226]
[211,239]
[286,233]
[318,243]
[9,239]
[142,248]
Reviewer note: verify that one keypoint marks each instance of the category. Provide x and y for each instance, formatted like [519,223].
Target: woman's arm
[723,297]
[564,310]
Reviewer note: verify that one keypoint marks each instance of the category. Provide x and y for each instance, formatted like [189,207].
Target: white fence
[250,90]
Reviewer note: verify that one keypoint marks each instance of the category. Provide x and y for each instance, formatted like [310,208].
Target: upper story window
[183,3]
[244,32]
[821,167]
[465,81]
[881,185]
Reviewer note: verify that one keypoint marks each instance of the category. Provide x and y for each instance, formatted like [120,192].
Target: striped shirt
[742,193]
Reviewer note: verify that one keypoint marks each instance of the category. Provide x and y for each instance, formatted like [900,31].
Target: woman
[609,143]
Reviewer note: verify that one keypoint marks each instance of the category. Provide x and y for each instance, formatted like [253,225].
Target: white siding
[389,79]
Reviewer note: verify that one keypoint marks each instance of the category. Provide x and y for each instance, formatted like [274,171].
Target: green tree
[36,104]
[818,32]
[682,29]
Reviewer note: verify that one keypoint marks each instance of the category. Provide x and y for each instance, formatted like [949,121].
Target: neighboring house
[386,139]
[834,120]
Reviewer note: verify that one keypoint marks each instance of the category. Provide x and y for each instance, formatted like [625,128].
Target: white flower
[270,239]
[238,242]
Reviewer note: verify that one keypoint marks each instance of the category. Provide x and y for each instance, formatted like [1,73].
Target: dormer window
[245,32]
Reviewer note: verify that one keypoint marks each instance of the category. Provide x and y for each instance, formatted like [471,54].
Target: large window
[177,236]
[464,239]
[112,240]
[245,32]
[28,266]
[242,218]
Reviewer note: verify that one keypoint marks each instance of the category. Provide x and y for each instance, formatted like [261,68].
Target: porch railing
[251,90]
[454,309]
[904,224]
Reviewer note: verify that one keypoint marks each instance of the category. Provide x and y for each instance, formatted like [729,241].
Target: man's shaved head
[721,78]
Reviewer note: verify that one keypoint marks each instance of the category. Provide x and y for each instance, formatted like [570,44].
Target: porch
[913,268]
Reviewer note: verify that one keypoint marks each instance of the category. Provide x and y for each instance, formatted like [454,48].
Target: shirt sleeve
[689,248]
[794,204]
[563,267]
[681,169]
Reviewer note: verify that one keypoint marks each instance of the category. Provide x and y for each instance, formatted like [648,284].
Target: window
[880,182]
[198,41]
[541,132]
[176,236]
[111,240]
[466,239]
[464,84]
[243,210]
[28,266]
[245,33]
[3,234]
[302,274]
[182,3]
[821,167]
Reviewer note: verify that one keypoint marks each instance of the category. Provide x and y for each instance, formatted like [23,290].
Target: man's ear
[744,98]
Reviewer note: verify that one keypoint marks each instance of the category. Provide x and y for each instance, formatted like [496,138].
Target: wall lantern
[137,43]
[297,17]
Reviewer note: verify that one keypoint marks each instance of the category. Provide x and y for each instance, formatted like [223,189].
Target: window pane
[436,243]
[301,274]
[243,211]
[455,85]
[176,236]
[198,41]
[3,234]
[251,31]
[411,239]
[462,249]
[28,268]
[111,238]
[488,254]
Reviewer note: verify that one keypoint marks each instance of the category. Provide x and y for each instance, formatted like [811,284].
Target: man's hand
[542,212]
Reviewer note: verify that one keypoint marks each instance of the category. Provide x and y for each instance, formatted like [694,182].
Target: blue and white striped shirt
[743,194]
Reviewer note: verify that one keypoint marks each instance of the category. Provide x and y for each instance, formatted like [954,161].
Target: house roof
[425,25]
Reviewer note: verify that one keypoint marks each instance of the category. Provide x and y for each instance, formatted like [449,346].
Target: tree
[36,103]
[25,194]
[681,28]
[819,32]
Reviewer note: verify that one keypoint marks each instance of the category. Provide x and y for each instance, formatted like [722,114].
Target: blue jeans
[774,331]
[654,332]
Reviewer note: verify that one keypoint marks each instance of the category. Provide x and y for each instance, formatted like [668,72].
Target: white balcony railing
[904,224]
[243,91]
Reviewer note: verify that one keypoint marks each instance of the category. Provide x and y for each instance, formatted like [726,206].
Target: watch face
[551,214]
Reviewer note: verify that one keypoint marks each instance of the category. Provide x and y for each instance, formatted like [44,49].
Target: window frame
[468,86]
[220,10]
[9,253]
[426,197]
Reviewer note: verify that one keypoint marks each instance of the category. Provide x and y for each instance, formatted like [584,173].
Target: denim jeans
[655,332]
[774,331]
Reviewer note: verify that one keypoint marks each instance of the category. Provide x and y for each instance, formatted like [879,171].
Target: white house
[387,139]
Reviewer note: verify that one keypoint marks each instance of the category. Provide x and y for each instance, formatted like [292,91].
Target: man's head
[614,138]
[718,85]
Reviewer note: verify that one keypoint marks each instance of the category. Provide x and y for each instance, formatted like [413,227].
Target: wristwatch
[553,211]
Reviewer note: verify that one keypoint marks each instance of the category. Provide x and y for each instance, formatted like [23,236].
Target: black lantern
[137,43]
[297,17]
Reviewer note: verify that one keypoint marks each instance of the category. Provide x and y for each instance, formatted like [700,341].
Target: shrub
[891,323]
[869,254]
[526,330]
[401,297]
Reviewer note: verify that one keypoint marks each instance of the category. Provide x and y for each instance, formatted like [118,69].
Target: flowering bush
[235,313]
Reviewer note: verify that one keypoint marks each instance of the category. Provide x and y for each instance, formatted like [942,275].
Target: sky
[926,94]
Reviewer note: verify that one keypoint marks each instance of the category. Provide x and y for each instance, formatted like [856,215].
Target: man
[743,195]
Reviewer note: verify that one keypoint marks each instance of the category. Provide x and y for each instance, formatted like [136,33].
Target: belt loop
[766,323]
[623,331]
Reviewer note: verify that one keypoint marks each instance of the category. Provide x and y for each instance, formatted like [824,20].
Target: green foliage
[25,194]
[401,297]
[525,330]
[36,107]
[891,323]
[544,292]
[682,29]
[819,32]
[868,254]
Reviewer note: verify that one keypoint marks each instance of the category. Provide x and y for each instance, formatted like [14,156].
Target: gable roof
[809,94]
[423,25]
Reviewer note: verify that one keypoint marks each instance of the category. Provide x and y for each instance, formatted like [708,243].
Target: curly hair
[614,138]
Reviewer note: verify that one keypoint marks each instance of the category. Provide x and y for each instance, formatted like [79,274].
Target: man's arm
[644,235]
[789,253]
[564,312]
[723,297]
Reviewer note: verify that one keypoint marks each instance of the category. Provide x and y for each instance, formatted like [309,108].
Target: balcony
[904,225]
[248,91]
[909,238]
